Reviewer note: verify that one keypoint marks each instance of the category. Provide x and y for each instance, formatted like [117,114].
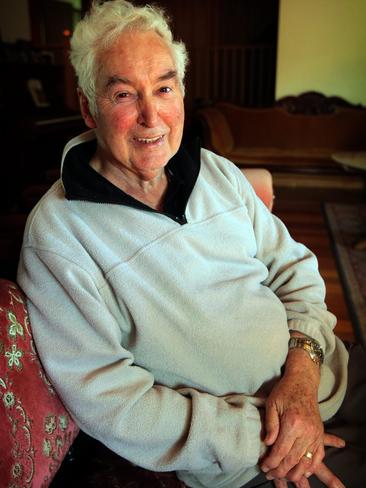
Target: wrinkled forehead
[133,52]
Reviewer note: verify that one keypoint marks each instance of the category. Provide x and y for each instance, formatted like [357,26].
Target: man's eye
[121,95]
[165,89]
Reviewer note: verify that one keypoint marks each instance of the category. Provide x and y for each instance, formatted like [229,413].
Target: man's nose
[148,112]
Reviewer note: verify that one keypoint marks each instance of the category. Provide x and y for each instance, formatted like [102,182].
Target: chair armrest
[36,430]
[261,181]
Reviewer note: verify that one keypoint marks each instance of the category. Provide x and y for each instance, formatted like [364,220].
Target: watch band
[311,346]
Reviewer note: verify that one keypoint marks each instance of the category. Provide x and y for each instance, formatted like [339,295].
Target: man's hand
[323,473]
[293,424]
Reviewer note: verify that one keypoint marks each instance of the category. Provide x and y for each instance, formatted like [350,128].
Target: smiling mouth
[148,140]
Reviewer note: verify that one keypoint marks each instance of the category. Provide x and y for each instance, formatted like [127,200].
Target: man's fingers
[325,475]
[294,465]
[280,483]
[307,466]
[331,440]
[279,455]
[303,483]
[272,425]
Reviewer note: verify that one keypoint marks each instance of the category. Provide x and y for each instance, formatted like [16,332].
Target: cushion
[35,429]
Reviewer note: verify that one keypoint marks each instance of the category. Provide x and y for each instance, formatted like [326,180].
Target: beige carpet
[347,227]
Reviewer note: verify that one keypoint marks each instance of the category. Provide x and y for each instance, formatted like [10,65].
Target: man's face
[140,111]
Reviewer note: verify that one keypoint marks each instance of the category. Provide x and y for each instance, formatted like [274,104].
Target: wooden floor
[302,212]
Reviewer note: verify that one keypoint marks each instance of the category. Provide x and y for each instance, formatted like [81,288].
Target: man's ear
[85,111]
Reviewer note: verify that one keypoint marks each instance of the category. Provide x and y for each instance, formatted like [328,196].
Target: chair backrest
[36,431]
[262,182]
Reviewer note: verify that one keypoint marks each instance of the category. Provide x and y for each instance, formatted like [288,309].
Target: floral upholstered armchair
[35,429]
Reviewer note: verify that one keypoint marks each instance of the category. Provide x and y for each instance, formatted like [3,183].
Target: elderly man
[178,320]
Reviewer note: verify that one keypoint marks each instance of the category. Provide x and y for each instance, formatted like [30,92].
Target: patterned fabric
[35,429]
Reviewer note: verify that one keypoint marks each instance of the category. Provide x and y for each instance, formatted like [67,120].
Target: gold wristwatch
[311,346]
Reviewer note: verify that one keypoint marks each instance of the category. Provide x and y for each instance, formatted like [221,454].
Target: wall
[322,47]
[14,20]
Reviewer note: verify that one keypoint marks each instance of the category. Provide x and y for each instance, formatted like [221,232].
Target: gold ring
[308,455]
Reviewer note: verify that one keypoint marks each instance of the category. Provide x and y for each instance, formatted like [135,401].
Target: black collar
[82,182]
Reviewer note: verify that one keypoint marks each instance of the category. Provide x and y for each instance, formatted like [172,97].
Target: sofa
[297,134]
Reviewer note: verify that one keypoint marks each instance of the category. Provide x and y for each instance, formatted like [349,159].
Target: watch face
[312,352]
[309,345]
[314,356]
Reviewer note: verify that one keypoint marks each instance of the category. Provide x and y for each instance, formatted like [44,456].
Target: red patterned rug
[347,226]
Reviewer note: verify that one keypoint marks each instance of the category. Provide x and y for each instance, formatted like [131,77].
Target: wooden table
[351,159]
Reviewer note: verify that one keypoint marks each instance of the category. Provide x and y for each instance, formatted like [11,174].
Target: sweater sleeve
[114,400]
[293,273]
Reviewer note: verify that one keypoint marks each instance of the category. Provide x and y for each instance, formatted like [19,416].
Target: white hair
[102,25]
